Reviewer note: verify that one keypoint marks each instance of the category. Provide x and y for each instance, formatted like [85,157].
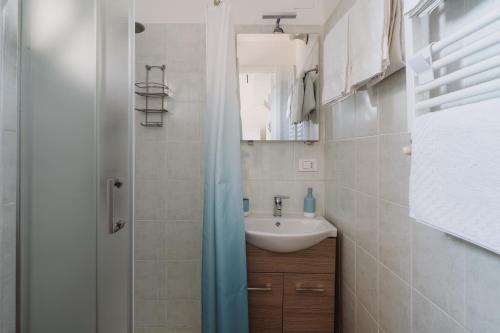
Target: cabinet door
[308,304]
[265,299]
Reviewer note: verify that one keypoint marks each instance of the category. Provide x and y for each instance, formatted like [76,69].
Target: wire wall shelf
[154,93]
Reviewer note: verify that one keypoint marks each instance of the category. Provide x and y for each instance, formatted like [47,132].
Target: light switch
[308,165]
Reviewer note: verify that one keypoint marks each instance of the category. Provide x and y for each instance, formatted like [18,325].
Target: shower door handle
[114,225]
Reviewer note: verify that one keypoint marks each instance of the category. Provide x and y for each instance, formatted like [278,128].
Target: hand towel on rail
[309,104]
[297,100]
[336,61]
[455,173]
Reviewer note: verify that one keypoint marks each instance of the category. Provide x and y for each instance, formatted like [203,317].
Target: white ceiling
[309,12]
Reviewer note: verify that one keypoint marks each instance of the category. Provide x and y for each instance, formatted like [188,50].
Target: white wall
[245,11]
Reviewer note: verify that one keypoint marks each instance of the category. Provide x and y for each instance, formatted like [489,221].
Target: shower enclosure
[75,166]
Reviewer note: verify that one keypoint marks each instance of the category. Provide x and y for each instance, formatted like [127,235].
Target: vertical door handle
[114,225]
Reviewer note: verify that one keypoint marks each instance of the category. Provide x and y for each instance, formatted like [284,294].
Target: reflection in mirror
[279,81]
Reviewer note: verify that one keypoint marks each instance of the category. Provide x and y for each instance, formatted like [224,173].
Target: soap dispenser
[309,204]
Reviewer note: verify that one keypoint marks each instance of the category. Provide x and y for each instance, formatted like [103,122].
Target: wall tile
[329,113]
[392,104]
[330,201]
[345,163]
[268,161]
[150,313]
[151,45]
[367,281]
[181,280]
[330,160]
[395,238]
[367,165]
[169,185]
[367,232]
[345,118]
[345,216]
[394,311]
[148,200]
[348,310]
[183,199]
[185,47]
[184,160]
[183,240]
[183,123]
[428,318]
[365,323]
[147,279]
[439,269]
[184,315]
[186,86]
[366,113]
[482,291]
[150,160]
[149,236]
[394,168]
[348,261]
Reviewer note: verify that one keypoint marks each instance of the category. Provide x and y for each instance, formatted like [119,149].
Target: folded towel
[297,101]
[369,22]
[336,61]
[309,103]
[455,173]
[415,8]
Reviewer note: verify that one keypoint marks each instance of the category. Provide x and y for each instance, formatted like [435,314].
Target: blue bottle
[309,204]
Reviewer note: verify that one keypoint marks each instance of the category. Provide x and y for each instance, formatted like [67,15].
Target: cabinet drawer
[309,301]
[309,290]
[308,321]
[265,300]
[317,259]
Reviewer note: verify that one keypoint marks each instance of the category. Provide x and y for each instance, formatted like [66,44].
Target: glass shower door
[75,166]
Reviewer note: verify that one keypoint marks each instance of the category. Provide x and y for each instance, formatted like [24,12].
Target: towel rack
[428,79]
[315,69]
[159,91]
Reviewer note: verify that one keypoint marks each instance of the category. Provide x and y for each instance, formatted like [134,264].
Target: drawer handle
[315,290]
[260,288]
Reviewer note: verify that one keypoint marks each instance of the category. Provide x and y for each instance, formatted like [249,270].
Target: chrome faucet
[278,204]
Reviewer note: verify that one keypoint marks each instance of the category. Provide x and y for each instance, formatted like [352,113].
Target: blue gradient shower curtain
[224,277]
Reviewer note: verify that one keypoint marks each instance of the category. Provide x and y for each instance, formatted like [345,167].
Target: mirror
[279,84]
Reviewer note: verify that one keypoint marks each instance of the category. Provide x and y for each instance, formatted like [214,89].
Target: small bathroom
[234,166]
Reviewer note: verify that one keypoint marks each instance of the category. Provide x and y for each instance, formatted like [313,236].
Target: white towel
[415,8]
[297,101]
[309,104]
[336,61]
[396,39]
[369,23]
[455,174]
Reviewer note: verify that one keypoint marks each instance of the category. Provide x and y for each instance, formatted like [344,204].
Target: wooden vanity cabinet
[292,292]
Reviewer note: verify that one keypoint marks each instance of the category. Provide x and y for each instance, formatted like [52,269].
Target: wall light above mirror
[279,84]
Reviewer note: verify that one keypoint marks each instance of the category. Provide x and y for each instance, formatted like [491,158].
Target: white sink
[287,233]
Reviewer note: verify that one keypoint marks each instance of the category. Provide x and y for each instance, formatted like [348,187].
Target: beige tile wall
[169,185]
[398,276]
